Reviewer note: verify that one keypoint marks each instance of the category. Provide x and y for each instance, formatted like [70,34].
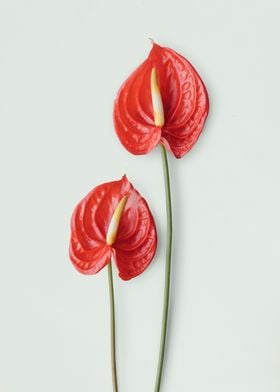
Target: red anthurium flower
[113,221]
[163,101]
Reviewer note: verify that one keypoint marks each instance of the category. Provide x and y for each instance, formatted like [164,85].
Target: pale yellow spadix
[115,221]
[156,100]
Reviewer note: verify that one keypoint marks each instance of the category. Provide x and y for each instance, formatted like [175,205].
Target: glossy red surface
[136,239]
[185,103]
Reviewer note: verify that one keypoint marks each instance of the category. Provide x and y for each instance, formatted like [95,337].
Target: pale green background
[61,63]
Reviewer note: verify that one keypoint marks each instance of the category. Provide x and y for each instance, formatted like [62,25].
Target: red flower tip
[113,221]
[163,101]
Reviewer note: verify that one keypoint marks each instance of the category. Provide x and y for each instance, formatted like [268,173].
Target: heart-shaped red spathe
[185,102]
[136,241]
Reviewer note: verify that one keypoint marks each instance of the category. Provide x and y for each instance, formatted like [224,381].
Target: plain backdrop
[61,64]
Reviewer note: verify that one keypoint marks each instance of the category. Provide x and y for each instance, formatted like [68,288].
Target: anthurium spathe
[163,101]
[113,222]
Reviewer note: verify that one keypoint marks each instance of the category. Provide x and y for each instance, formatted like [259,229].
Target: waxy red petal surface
[136,240]
[184,98]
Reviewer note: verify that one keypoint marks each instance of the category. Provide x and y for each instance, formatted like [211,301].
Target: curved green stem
[167,269]
[113,328]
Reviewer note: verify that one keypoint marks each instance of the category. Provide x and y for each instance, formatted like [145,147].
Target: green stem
[113,329]
[167,269]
